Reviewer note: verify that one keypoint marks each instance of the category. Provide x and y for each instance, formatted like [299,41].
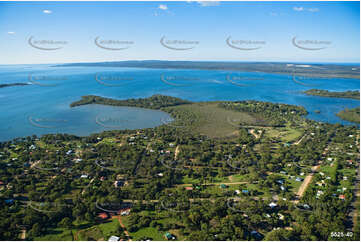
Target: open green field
[100,232]
[58,234]
[160,217]
[82,232]
[148,232]
[286,134]
[209,119]
[217,179]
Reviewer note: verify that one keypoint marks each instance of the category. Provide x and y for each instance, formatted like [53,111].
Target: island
[153,102]
[325,93]
[13,84]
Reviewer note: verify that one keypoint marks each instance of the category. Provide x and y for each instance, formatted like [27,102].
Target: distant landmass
[13,84]
[316,70]
[325,93]
[153,102]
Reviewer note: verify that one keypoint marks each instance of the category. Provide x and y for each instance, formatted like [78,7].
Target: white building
[114,238]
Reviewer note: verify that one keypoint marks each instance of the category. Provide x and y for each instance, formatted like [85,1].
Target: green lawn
[109,229]
[217,179]
[92,233]
[60,234]
[145,232]
[291,135]
[100,231]
[190,180]
[108,141]
[239,178]
[286,134]
[295,185]
[148,232]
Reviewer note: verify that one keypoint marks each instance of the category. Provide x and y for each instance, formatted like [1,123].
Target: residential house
[272,205]
[245,191]
[124,212]
[299,179]
[114,238]
[103,215]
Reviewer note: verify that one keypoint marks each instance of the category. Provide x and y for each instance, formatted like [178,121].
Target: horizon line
[235,61]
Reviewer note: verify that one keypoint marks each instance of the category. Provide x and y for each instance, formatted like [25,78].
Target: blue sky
[268,27]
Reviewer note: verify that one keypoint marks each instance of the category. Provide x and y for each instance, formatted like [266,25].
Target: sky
[66,32]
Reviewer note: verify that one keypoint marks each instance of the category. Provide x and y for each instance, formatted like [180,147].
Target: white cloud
[273,14]
[208,3]
[313,9]
[163,7]
[47,11]
[11,32]
[299,9]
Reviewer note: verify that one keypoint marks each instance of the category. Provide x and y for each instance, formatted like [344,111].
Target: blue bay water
[43,106]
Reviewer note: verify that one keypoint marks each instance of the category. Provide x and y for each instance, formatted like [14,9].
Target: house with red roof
[103,215]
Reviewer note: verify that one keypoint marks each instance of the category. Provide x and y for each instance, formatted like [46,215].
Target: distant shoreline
[227,61]
[288,68]
[325,93]
[13,84]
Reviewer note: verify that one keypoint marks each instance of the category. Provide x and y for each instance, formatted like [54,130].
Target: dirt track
[299,141]
[176,152]
[252,131]
[23,234]
[119,217]
[306,182]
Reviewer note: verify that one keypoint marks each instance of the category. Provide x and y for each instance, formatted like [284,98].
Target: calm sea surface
[43,106]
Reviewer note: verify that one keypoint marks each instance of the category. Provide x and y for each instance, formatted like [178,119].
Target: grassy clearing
[59,234]
[109,229]
[295,185]
[326,169]
[291,135]
[108,141]
[99,232]
[286,134]
[149,232]
[190,180]
[209,119]
[93,233]
[154,233]
[239,178]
